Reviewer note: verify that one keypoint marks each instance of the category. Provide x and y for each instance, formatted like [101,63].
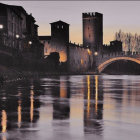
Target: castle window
[62,26]
[58,26]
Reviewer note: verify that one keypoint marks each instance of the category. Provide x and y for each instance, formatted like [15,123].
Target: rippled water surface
[71,108]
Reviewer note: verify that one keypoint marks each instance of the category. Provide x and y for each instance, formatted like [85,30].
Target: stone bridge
[102,61]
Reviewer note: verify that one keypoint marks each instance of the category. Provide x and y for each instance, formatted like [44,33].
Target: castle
[19,37]
[78,58]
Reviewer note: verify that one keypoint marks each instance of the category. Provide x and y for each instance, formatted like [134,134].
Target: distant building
[114,47]
[18,29]
[93,30]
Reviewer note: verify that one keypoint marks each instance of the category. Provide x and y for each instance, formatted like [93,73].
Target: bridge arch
[103,65]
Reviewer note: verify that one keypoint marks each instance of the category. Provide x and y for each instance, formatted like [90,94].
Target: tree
[129,42]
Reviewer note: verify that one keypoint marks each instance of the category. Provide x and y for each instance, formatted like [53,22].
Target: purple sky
[122,15]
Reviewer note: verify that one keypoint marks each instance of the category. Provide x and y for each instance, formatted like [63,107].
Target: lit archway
[102,66]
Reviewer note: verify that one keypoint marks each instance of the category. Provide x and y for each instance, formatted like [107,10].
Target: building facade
[18,30]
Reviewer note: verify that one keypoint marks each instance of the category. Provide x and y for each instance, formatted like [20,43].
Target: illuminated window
[62,26]
[58,26]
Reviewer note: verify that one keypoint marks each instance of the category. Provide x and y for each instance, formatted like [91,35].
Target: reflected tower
[61,105]
[93,107]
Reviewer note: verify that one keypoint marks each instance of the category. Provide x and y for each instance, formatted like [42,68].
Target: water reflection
[17,107]
[19,114]
[61,105]
[4,121]
[79,106]
[93,107]
[31,104]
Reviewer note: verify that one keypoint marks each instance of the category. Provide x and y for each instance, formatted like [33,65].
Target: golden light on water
[4,121]
[88,96]
[31,105]
[82,62]
[63,91]
[96,93]
[4,137]
[19,114]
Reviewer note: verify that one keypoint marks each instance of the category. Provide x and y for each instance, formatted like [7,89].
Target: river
[86,107]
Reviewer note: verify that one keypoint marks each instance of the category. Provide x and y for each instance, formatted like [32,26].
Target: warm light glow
[96,93]
[63,91]
[89,52]
[4,121]
[4,137]
[63,56]
[30,42]
[88,96]
[31,105]
[82,62]
[17,36]
[19,114]
[1,26]
[102,66]
[96,53]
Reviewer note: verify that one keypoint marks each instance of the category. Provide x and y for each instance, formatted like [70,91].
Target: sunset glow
[113,18]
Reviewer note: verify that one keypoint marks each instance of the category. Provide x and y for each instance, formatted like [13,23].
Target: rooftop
[59,22]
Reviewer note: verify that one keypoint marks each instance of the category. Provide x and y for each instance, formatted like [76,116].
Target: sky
[117,15]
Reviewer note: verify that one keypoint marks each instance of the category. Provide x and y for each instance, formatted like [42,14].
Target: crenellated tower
[93,30]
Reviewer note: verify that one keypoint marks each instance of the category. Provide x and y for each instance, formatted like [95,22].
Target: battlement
[77,45]
[91,14]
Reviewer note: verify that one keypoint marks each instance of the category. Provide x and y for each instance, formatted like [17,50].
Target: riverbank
[11,74]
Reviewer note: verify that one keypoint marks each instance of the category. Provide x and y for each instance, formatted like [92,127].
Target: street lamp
[1,35]
[30,42]
[17,36]
[96,53]
[1,26]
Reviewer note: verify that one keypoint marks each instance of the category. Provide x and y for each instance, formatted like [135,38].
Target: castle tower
[93,30]
[60,32]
